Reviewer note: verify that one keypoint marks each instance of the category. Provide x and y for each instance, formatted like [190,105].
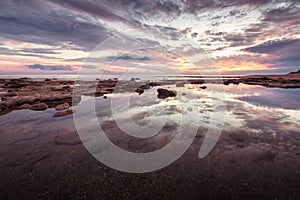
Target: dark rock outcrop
[164,93]
[139,90]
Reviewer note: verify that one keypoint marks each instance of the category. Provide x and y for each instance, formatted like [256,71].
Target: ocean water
[40,77]
[258,145]
[233,108]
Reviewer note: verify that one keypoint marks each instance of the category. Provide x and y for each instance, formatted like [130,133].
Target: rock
[139,90]
[265,78]
[25,78]
[8,95]
[16,101]
[152,84]
[196,82]
[48,79]
[226,82]
[113,79]
[164,93]
[2,106]
[145,87]
[297,72]
[39,106]
[203,87]
[63,113]
[54,97]
[25,106]
[135,79]
[180,84]
[63,106]
[15,85]
[104,97]
[24,99]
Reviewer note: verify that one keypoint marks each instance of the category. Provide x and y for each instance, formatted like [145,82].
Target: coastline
[24,93]
[43,157]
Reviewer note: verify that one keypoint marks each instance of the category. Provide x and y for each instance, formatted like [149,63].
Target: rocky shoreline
[25,93]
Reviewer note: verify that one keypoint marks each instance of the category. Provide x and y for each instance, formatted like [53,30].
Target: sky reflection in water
[255,110]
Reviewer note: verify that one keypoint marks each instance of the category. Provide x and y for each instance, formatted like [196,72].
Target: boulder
[25,106]
[164,93]
[139,90]
[39,106]
[203,87]
[63,106]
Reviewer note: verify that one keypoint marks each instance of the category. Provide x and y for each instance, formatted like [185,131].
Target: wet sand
[53,164]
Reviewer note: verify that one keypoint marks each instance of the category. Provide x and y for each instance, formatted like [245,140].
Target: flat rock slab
[68,138]
[64,113]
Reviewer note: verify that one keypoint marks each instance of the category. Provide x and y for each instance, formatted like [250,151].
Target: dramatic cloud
[274,46]
[19,21]
[127,57]
[38,51]
[88,67]
[246,35]
[283,54]
[50,67]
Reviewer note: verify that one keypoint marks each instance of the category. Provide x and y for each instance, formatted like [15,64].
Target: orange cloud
[229,66]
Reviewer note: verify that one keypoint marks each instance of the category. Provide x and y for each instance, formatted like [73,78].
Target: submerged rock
[68,138]
[164,93]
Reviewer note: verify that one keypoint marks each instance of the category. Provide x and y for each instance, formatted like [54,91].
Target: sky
[149,36]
